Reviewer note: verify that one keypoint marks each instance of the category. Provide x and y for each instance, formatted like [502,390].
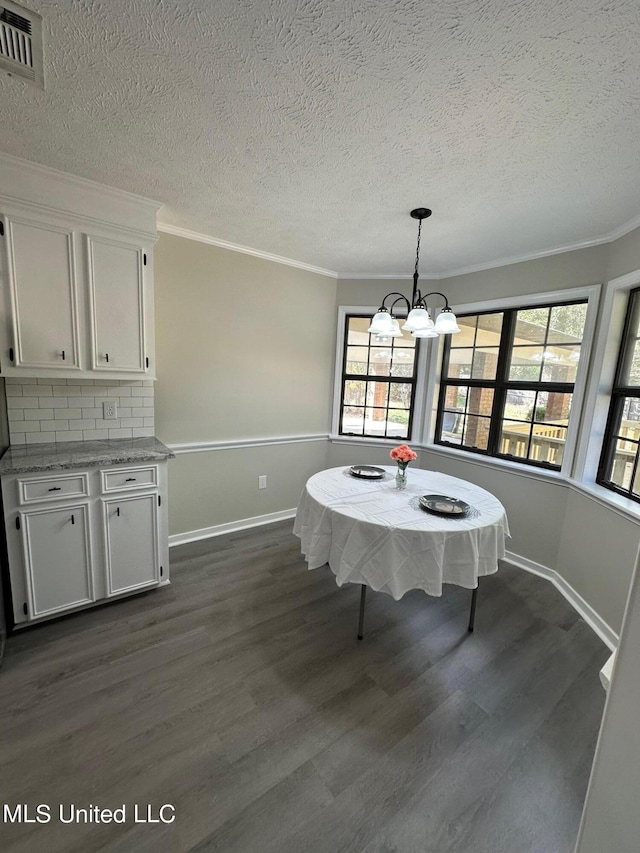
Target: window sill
[613,501]
[616,503]
[369,440]
[493,462]
[610,500]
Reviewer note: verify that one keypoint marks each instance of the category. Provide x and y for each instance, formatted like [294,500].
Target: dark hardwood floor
[240,696]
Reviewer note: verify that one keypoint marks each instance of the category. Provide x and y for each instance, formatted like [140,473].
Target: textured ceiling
[310,128]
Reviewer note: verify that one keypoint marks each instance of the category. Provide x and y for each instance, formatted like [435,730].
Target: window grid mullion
[502,372]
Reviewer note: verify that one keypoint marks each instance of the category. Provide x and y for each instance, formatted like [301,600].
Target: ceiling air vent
[21,42]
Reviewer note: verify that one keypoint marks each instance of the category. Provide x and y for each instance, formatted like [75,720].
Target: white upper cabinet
[76,276]
[42,282]
[117,304]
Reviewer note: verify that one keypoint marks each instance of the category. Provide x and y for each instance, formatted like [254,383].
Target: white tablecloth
[371,533]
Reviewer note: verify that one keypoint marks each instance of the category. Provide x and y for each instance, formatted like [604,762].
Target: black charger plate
[444,505]
[366,472]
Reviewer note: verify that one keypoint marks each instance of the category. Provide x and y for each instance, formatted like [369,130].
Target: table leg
[363,594]
[472,615]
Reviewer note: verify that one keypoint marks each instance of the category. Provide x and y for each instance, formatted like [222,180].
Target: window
[507,382]
[621,447]
[378,382]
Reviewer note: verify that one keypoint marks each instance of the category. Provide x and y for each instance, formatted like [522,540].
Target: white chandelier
[419,321]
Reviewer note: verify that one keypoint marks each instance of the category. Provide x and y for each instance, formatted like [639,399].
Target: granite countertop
[21,458]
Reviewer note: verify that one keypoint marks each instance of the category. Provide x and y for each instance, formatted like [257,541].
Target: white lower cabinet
[67,554]
[131,537]
[57,554]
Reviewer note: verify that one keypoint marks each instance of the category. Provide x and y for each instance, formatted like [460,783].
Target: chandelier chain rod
[418,246]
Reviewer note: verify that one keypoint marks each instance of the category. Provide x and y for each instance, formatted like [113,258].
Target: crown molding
[30,167]
[31,208]
[629,226]
[364,276]
[611,237]
[176,231]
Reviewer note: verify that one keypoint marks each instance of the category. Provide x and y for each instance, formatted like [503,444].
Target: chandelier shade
[381,324]
[418,319]
[446,323]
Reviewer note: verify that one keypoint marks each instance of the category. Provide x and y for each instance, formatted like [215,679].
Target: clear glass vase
[401,478]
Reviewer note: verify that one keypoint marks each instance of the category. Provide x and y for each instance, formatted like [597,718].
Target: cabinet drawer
[126,479]
[39,489]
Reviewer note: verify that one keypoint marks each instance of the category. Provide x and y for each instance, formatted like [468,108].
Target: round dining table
[371,533]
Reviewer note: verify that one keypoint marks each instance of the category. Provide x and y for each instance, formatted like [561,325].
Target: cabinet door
[57,554]
[43,295]
[116,288]
[131,538]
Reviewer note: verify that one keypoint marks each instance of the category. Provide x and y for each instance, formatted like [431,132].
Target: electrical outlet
[109,410]
[262,481]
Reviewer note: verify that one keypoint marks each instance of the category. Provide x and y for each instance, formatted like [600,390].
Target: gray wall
[245,350]
[624,255]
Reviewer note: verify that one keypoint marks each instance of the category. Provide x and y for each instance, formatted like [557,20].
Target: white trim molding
[230,527]
[595,622]
[611,237]
[176,231]
[241,443]
[593,619]
[603,367]
[30,167]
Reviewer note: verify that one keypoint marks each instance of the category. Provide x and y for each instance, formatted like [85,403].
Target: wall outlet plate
[262,481]
[109,410]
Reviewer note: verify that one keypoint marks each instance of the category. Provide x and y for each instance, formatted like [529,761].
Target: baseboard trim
[230,527]
[593,619]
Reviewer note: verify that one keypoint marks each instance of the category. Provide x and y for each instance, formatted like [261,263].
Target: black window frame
[345,377]
[620,392]
[501,385]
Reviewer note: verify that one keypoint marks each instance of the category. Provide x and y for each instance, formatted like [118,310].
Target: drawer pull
[73,519]
[55,489]
[63,355]
[118,511]
[130,480]
[107,357]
